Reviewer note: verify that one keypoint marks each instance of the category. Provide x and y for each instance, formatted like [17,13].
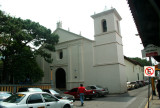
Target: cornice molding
[108,44]
[107,12]
[103,33]
[104,64]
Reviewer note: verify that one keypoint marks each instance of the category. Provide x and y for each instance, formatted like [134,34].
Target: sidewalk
[155,103]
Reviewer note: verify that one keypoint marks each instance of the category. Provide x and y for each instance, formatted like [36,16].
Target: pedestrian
[81,91]
[158,88]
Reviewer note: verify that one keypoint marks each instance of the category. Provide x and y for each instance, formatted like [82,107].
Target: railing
[15,88]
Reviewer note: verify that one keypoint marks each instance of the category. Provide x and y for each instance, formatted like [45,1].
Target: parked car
[129,86]
[35,100]
[135,85]
[88,93]
[59,94]
[146,82]
[143,82]
[4,95]
[140,83]
[100,91]
[29,89]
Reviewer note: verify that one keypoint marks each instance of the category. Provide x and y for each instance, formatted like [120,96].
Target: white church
[99,61]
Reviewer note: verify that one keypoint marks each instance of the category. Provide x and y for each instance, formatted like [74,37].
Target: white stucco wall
[132,71]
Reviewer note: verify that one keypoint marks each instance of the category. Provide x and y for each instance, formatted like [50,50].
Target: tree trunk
[5,73]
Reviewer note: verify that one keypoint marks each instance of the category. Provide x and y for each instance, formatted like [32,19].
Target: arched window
[60,54]
[104,25]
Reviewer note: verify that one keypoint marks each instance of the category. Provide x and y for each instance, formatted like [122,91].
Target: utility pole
[149,91]
[152,81]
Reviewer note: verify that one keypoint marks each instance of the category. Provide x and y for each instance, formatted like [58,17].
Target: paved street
[133,99]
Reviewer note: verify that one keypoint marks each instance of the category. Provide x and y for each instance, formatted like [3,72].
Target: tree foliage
[19,58]
[143,62]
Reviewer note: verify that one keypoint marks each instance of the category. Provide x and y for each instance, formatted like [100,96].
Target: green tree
[143,62]
[19,58]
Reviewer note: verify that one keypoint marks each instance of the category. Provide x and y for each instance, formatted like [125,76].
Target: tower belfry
[108,48]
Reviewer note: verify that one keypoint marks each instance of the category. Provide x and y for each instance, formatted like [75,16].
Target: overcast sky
[75,15]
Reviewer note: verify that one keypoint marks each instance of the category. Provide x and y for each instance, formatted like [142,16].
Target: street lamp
[51,67]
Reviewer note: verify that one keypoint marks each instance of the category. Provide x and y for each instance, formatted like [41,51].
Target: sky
[75,16]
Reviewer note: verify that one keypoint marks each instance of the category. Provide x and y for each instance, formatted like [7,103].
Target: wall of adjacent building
[132,71]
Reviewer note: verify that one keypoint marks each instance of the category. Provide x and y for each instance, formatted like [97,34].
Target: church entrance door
[60,78]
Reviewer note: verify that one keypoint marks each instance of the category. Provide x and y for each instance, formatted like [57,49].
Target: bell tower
[108,50]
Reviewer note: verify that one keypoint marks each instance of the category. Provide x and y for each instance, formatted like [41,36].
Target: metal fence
[15,88]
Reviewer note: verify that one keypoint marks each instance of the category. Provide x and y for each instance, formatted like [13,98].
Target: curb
[146,106]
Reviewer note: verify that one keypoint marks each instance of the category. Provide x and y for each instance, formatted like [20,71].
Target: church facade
[81,60]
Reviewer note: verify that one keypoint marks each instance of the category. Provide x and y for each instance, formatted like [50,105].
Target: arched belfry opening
[60,78]
[104,25]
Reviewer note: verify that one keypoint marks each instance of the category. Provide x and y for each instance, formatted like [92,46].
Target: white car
[35,100]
